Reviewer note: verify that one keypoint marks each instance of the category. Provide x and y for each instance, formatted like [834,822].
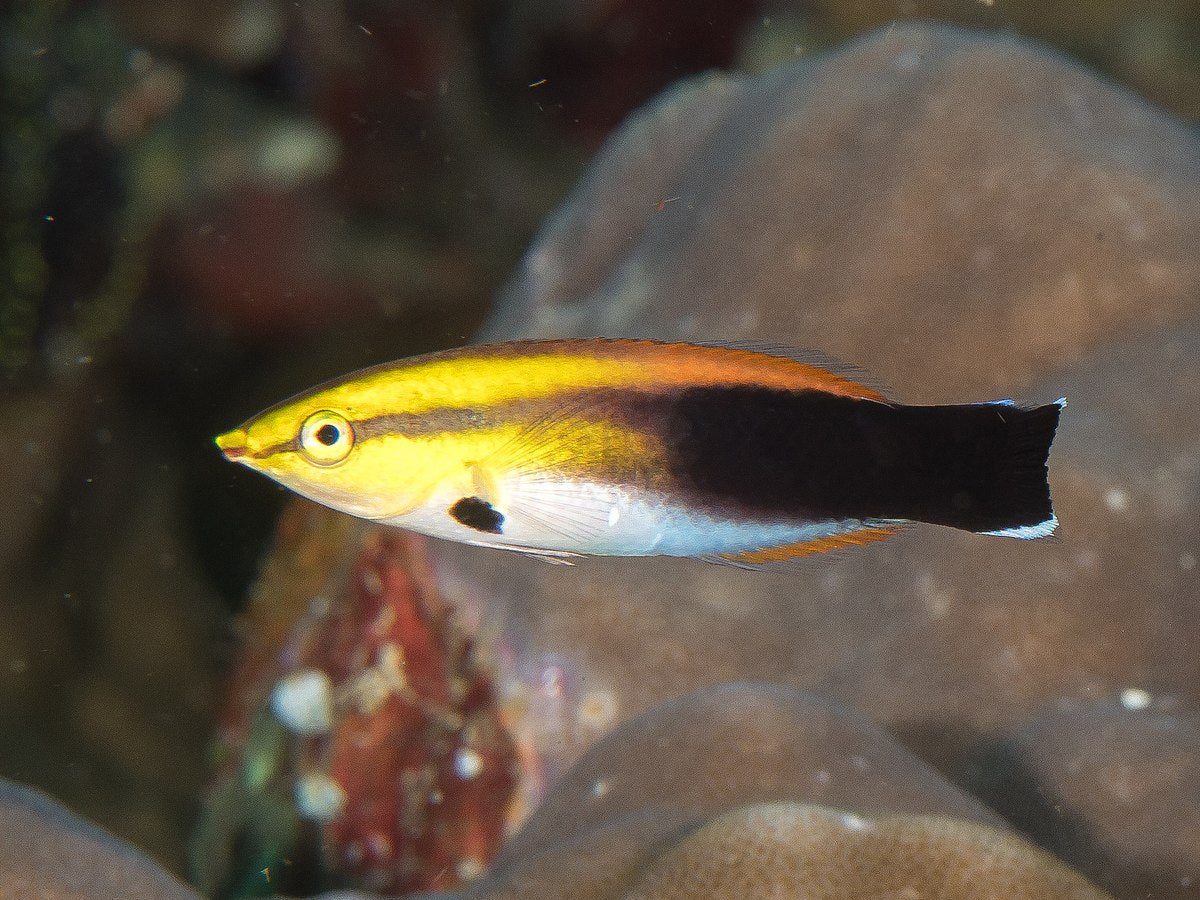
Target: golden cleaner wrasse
[639,448]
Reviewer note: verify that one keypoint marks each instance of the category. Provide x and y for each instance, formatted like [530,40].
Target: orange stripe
[680,364]
[806,548]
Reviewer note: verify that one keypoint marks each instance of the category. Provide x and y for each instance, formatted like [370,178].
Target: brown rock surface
[803,851]
[956,211]
[758,767]
[1115,790]
[968,217]
[48,852]
[690,759]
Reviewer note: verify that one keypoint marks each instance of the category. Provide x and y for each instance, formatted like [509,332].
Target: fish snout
[233,444]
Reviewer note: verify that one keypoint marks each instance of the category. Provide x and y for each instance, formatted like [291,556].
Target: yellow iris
[326,438]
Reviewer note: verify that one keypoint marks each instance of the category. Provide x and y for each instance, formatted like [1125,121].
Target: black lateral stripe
[435,421]
[412,424]
[292,446]
[817,456]
[451,419]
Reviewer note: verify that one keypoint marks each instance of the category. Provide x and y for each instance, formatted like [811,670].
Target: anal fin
[769,557]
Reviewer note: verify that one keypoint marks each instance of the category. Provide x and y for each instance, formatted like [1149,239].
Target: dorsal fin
[789,367]
[851,373]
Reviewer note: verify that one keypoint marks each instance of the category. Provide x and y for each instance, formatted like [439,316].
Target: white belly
[606,520]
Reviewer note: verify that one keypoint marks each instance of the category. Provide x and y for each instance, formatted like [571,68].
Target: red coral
[411,775]
[416,815]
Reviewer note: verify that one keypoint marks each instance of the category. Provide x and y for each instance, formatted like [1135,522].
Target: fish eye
[326,438]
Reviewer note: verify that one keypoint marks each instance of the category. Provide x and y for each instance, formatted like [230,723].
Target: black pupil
[328,434]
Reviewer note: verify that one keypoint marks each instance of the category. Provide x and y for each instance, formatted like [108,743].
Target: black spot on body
[478,514]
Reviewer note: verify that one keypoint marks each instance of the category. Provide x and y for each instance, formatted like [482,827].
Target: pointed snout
[233,444]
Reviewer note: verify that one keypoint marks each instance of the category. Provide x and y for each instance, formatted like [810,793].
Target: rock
[690,759]
[799,851]
[47,851]
[1111,789]
[969,217]
[660,807]
[957,212]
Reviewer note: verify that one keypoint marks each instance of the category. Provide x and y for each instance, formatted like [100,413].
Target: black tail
[812,455]
[980,467]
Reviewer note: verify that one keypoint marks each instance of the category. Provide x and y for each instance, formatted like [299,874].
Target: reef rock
[798,851]
[1110,786]
[952,641]
[955,211]
[968,217]
[730,792]
[47,851]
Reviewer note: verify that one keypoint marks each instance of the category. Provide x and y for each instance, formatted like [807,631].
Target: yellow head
[349,446]
[383,442]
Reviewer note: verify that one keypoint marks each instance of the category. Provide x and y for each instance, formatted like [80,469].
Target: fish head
[331,451]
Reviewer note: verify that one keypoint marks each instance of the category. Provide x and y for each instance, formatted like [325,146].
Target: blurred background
[209,206]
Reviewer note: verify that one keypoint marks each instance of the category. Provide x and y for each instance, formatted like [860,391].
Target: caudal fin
[990,461]
[1031,511]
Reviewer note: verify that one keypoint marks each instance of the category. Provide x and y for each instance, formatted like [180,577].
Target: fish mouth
[233,445]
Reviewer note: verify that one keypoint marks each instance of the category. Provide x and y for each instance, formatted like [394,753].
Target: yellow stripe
[481,377]
[476,383]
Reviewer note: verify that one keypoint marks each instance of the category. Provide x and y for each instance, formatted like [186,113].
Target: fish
[746,455]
